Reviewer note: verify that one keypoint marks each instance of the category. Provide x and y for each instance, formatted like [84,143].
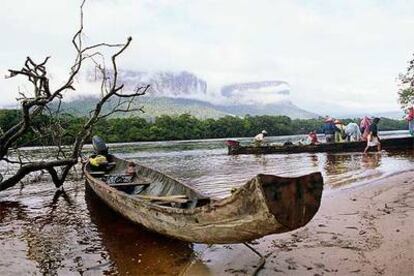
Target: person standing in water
[373,139]
[364,126]
[410,119]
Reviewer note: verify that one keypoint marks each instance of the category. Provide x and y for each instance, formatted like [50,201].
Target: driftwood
[38,103]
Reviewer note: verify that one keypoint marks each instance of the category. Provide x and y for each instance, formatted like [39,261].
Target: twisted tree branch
[33,106]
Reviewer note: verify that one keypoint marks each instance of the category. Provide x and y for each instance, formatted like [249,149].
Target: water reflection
[339,163]
[46,235]
[70,232]
[215,173]
[132,249]
[11,211]
[371,161]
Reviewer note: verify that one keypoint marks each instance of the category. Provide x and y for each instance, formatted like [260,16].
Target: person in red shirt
[313,137]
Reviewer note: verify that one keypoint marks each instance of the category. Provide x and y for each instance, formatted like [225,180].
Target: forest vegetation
[180,127]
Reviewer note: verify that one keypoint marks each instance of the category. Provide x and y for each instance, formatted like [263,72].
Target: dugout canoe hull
[387,144]
[266,204]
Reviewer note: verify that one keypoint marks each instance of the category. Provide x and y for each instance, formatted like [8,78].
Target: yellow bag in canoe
[98,160]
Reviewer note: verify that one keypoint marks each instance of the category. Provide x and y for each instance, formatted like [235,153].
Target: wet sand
[366,230]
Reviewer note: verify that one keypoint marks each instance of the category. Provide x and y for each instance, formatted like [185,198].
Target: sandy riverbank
[367,230]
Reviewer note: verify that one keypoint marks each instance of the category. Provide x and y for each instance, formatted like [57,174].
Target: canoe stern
[293,201]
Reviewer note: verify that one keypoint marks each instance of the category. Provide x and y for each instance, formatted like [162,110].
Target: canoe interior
[387,144]
[161,185]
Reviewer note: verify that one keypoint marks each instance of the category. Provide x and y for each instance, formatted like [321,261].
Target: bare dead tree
[38,103]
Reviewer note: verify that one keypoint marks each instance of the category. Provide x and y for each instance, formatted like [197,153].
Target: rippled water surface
[206,165]
[44,231]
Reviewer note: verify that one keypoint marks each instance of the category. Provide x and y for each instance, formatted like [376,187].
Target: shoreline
[388,133]
[366,230]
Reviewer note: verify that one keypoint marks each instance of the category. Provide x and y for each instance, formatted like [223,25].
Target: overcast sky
[336,55]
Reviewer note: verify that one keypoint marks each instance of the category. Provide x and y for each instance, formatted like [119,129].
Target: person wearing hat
[339,131]
[259,139]
[329,129]
[373,139]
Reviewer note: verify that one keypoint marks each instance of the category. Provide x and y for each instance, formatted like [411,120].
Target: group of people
[336,132]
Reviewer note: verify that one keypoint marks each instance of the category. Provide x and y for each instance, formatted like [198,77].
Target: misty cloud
[342,53]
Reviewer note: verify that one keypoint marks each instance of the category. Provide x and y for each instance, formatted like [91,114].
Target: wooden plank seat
[169,203]
[166,199]
[97,173]
[130,184]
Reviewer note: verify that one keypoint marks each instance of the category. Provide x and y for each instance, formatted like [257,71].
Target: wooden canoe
[235,148]
[266,204]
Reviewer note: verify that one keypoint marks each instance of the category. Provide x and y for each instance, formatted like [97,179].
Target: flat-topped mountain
[175,93]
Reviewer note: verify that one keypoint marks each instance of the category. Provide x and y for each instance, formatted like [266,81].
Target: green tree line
[180,127]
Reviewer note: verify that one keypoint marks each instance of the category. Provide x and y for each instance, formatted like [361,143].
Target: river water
[44,231]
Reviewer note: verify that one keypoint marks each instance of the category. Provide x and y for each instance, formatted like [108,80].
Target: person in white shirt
[259,139]
[352,132]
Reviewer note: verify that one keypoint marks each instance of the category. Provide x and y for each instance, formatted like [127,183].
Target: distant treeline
[172,128]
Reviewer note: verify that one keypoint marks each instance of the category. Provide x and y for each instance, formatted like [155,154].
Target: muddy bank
[366,230]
